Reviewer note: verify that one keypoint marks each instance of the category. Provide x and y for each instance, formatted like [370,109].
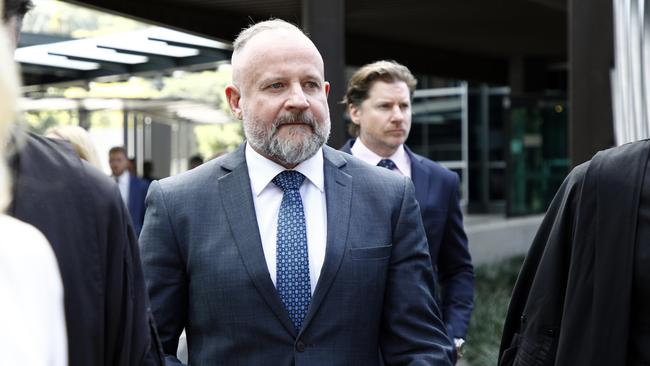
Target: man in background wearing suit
[132,188]
[287,252]
[80,212]
[379,104]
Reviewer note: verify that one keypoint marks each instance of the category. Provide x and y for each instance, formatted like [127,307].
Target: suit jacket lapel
[338,193]
[236,197]
[419,176]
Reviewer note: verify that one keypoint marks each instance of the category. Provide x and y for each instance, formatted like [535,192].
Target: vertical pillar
[516,75]
[591,57]
[484,146]
[84,118]
[324,21]
[126,116]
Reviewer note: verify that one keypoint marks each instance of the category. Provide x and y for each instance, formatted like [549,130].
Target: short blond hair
[8,97]
[80,141]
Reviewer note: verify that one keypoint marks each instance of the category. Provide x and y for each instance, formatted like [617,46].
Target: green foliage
[39,121]
[206,86]
[213,140]
[493,287]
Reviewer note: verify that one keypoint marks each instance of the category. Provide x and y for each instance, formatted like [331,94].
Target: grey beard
[286,150]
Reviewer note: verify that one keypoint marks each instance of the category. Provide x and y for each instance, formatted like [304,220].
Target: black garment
[571,303]
[639,352]
[80,212]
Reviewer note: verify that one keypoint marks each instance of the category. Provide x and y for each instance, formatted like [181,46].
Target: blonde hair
[80,140]
[8,97]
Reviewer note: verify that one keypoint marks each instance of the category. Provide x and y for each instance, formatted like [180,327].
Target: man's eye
[276,85]
[312,85]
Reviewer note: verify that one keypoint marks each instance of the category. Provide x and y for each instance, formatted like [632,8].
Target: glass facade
[439,129]
[510,152]
[538,155]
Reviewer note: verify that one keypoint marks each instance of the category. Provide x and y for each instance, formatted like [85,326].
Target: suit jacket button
[300,346]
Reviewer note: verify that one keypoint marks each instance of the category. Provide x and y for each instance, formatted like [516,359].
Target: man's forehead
[279,45]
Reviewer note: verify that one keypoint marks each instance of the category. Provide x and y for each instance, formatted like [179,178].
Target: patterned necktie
[387,163]
[292,265]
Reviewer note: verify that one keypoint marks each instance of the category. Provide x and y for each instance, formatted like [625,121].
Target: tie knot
[387,163]
[289,180]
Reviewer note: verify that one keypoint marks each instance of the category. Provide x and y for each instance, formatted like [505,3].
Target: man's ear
[327,88]
[355,113]
[234,98]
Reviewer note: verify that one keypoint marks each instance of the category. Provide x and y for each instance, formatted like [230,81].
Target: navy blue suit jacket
[137,193]
[437,192]
[206,272]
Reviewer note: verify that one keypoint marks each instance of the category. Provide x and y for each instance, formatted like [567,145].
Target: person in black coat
[81,213]
[583,293]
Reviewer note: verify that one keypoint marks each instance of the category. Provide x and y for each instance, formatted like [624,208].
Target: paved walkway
[495,237]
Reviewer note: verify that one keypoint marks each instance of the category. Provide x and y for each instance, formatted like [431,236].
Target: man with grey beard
[287,252]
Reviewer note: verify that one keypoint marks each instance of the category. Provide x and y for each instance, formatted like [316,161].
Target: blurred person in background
[378,101]
[147,171]
[132,189]
[195,160]
[80,141]
[81,214]
[32,318]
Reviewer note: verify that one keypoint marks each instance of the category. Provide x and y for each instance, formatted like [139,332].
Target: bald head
[256,42]
[279,92]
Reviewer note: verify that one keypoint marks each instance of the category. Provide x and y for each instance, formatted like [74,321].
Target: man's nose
[297,98]
[397,114]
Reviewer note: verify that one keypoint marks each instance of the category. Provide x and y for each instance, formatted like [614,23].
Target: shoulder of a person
[433,167]
[205,173]
[623,154]
[47,152]
[608,160]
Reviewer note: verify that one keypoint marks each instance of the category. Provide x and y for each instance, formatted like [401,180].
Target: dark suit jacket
[572,301]
[206,271]
[80,212]
[137,194]
[437,192]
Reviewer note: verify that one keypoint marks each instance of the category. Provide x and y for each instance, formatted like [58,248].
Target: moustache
[301,118]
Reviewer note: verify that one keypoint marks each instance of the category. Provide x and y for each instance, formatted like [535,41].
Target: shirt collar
[262,170]
[399,157]
[124,176]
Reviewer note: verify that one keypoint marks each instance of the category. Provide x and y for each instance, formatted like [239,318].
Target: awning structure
[162,110]
[47,60]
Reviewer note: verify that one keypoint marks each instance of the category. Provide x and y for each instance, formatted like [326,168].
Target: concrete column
[591,57]
[324,21]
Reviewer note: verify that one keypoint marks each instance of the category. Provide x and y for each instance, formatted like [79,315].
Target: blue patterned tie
[387,163]
[292,265]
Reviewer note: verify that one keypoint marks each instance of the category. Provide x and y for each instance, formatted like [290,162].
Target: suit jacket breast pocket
[371,253]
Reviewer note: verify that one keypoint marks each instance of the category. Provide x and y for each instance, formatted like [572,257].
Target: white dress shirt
[32,319]
[267,198]
[123,183]
[400,157]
